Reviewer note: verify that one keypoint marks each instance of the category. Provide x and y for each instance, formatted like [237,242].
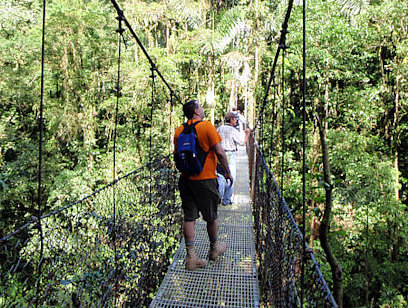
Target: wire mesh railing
[279,245]
[88,259]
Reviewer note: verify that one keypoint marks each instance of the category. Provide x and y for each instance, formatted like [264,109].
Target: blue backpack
[190,157]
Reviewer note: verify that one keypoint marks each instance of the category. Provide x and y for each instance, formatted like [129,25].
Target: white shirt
[231,137]
[241,121]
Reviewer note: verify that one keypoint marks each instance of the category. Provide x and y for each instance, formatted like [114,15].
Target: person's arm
[222,157]
[247,133]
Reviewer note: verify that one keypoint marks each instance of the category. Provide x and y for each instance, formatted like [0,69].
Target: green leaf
[65,282]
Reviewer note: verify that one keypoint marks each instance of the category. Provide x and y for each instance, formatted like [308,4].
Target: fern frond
[146,15]
[235,60]
[188,11]
[232,27]
[353,7]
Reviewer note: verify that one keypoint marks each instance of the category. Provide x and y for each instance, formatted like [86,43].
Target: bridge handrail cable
[59,210]
[265,210]
[288,212]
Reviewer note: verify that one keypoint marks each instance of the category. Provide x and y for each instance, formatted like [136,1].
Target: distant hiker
[198,192]
[241,122]
[231,138]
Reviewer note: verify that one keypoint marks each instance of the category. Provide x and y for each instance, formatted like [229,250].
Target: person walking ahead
[199,193]
[231,138]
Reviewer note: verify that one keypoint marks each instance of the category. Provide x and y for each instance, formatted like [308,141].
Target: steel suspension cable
[367,283]
[280,46]
[261,128]
[274,85]
[302,283]
[133,33]
[120,31]
[171,120]
[153,76]
[40,146]
[283,117]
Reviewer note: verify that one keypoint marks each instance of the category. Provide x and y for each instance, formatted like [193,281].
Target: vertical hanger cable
[153,68]
[302,282]
[283,117]
[120,31]
[40,146]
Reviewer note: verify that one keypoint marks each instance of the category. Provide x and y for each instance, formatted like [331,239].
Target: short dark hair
[230,115]
[189,108]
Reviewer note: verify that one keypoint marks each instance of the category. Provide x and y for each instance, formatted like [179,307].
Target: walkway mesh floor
[230,281]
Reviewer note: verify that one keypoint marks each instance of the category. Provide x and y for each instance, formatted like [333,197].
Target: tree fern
[232,28]
[353,7]
[189,11]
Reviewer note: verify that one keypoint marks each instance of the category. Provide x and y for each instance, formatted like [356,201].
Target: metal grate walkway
[232,280]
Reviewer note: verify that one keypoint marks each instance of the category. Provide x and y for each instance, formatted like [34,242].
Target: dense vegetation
[219,52]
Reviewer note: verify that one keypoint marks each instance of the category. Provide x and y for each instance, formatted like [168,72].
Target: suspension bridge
[122,245]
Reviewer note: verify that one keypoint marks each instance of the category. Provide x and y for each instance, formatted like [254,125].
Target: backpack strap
[202,155]
[192,124]
[191,127]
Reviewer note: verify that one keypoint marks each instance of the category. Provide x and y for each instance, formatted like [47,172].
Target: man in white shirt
[231,138]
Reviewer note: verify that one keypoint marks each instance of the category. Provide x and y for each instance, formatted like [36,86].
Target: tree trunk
[396,135]
[326,104]
[337,272]
[210,99]
[211,87]
[233,95]
[314,183]
[394,251]
[252,104]
[167,38]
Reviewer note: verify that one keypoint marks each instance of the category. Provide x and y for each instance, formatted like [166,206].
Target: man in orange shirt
[199,193]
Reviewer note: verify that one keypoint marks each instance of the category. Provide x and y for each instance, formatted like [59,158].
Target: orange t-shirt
[208,137]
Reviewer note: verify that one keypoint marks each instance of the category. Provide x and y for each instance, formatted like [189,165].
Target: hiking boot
[192,260]
[216,250]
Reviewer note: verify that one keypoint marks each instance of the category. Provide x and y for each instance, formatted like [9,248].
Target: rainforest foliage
[221,53]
